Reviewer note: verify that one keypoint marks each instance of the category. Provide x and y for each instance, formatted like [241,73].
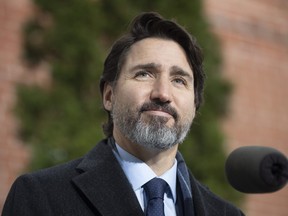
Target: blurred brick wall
[14,155]
[254,42]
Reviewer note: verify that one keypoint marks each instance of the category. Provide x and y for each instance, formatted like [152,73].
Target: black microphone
[255,169]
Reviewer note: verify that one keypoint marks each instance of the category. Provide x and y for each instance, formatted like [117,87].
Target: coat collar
[103,182]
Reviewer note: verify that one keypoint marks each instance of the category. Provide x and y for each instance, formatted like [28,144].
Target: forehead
[163,52]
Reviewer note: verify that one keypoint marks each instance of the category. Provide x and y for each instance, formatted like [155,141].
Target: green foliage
[64,122]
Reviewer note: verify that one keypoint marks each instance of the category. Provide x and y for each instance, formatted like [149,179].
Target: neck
[162,161]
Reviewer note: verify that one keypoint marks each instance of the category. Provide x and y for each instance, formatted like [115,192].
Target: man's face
[152,103]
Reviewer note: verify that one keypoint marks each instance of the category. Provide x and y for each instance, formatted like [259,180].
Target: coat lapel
[103,182]
[185,187]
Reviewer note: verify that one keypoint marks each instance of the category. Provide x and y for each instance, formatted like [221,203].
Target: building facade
[254,42]
[14,155]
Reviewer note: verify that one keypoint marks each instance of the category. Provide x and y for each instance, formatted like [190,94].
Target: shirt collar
[139,173]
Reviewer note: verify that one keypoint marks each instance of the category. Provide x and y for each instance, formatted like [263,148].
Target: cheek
[131,98]
[187,107]
[136,93]
[189,113]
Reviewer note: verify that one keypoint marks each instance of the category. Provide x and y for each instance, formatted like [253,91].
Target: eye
[142,75]
[180,81]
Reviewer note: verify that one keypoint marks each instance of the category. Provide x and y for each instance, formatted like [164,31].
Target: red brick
[254,39]
[14,156]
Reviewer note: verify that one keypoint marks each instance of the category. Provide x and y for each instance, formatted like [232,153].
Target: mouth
[159,110]
[159,113]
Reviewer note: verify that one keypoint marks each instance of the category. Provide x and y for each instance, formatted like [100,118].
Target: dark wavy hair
[152,25]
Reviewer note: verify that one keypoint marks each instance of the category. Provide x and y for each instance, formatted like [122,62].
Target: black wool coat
[94,185]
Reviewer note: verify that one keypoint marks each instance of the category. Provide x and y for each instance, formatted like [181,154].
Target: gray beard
[154,134]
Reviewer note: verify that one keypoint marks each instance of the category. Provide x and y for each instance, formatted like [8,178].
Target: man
[151,87]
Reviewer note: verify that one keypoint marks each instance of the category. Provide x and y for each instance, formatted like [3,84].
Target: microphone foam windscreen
[255,169]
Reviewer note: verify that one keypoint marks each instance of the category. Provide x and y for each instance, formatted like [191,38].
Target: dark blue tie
[154,190]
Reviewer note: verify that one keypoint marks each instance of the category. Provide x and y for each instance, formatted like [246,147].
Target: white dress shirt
[139,173]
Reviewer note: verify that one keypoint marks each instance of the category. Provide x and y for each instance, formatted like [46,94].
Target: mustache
[164,107]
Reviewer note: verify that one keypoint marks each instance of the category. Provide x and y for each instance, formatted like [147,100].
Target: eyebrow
[175,70]
[146,66]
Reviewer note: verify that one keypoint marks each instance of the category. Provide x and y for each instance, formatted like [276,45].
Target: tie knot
[155,188]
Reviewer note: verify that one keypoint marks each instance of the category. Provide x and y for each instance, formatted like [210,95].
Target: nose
[161,91]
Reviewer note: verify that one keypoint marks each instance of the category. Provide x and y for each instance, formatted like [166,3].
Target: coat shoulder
[213,203]
[61,171]
[48,191]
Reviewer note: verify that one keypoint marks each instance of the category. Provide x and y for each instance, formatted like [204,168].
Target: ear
[107,96]
[194,111]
